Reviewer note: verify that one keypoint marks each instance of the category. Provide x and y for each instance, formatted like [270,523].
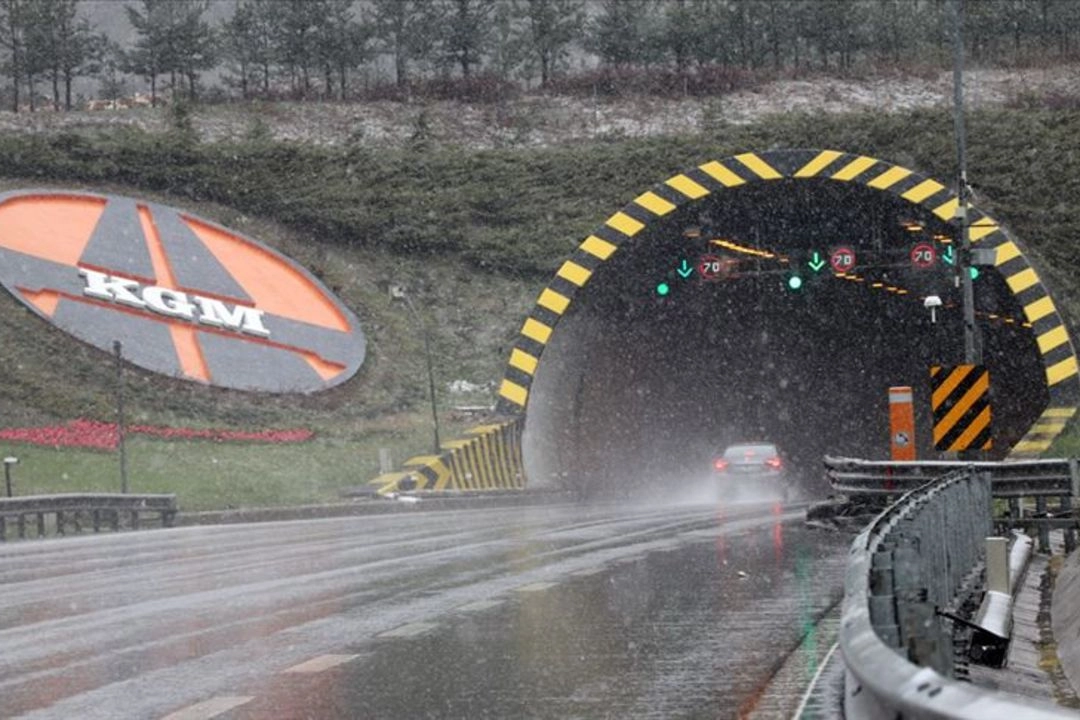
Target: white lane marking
[479,605]
[534,587]
[209,708]
[320,663]
[588,572]
[814,681]
[410,630]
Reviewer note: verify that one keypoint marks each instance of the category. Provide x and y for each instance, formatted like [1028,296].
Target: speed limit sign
[923,255]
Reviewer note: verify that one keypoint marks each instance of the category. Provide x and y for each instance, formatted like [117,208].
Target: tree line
[332,49]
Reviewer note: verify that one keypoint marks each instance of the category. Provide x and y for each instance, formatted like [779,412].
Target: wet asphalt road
[547,612]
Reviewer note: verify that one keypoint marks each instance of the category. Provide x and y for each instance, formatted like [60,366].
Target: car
[752,471]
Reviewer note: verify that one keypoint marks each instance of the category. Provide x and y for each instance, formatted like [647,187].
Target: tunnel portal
[773,297]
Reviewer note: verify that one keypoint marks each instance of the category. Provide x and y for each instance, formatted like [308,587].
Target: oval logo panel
[184,296]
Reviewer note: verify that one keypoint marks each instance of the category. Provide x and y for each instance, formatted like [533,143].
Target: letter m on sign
[960,400]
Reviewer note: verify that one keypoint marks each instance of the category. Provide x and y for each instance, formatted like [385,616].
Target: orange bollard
[901,423]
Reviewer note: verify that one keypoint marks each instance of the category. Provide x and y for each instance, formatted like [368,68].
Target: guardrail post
[22,526]
[922,634]
[1074,476]
[883,598]
[1044,529]
[40,525]
[60,522]
[3,528]
[1065,510]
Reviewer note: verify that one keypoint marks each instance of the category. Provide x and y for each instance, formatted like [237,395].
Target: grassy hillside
[474,233]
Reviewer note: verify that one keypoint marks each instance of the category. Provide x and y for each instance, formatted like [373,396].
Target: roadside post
[8,462]
[901,423]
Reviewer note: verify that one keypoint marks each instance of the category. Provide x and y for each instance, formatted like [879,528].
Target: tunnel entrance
[721,319]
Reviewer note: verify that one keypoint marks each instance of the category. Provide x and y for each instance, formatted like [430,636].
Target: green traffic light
[794,282]
[663,289]
[974,272]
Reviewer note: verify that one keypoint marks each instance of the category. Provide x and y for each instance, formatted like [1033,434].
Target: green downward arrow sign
[816,263]
[948,256]
[685,269]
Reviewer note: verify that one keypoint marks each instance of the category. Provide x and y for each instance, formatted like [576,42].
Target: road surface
[542,611]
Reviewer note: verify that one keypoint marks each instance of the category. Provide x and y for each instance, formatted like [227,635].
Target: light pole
[972,349]
[398,292]
[8,462]
[118,351]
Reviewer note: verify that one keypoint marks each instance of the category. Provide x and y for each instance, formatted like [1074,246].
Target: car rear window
[751,452]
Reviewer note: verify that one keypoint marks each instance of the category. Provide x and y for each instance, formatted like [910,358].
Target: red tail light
[774,463]
[720,464]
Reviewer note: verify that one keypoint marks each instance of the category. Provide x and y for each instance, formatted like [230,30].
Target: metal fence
[908,563]
[41,515]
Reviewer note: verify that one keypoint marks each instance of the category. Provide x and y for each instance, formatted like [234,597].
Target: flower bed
[104,436]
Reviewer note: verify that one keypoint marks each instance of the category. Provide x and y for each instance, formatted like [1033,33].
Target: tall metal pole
[972,351]
[117,350]
[430,370]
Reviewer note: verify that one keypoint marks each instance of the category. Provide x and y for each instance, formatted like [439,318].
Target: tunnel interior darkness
[637,389]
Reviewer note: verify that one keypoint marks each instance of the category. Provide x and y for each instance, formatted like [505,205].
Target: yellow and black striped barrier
[960,401]
[487,458]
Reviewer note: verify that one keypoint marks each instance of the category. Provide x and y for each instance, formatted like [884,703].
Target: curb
[401,504]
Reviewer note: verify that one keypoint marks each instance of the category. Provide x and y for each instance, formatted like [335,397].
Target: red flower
[104,436]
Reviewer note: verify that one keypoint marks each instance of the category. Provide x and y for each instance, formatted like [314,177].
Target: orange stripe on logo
[276,287]
[56,228]
[185,338]
[324,368]
[44,300]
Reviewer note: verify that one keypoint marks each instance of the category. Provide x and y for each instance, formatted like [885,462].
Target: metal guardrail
[906,564]
[1016,478]
[82,511]
[1012,480]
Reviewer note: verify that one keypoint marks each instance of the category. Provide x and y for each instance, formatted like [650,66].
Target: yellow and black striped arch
[715,177]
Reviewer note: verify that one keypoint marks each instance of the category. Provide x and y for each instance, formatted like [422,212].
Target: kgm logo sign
[184,296]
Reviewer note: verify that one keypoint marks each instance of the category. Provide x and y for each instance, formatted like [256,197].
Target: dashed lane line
[320,663]
[410,630]
[479,605]
[209,708]
[534,587]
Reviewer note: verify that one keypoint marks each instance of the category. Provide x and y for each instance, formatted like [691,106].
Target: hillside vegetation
[474,233]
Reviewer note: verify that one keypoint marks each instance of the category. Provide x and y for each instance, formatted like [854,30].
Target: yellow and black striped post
[960,400]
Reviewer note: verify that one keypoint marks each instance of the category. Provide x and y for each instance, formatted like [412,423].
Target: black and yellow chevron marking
[1041,435]
[960,401]
[716,176]
[488,458]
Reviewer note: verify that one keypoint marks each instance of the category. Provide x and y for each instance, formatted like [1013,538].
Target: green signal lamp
[794,282]
[974,272]
[663,289]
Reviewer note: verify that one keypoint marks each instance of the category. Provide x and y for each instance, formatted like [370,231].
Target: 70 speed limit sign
[923,255]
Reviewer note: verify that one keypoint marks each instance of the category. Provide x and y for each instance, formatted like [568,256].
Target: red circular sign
[842,259]
[923,255]
[711,267]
